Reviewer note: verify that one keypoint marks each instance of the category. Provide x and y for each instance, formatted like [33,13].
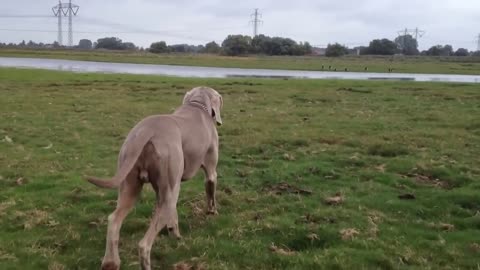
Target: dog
[164,150]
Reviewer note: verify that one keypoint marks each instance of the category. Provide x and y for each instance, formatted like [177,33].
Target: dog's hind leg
[167,187]
[127,196]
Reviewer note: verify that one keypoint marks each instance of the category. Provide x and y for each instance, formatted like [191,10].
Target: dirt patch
[56,266]
[407,196]
[286,188]
[349,234]
[34,218]
[475,247]
[241,83]
[288,157]
[192,264]
[5,205]
[446,227]
[409,88]
[353,90]
[428,180]
[316,219]
[335,200]
[387,150]
[226,190]
[4,256]
[281,251]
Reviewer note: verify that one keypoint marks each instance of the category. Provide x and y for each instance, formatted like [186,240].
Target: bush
[336,50]
[159,47]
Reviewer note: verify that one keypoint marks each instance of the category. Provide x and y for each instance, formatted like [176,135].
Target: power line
[256,21]
[25,16]
[133,31]
[112,32]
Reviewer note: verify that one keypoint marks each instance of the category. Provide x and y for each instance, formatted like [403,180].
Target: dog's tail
[132,153]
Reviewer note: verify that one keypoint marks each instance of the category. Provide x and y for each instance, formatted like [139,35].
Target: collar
[200,105]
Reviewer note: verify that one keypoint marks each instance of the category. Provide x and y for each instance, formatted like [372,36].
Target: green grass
[371,145]
[436,65]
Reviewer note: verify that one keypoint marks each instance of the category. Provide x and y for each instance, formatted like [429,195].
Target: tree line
[406,45]
[237,45]
[233,45]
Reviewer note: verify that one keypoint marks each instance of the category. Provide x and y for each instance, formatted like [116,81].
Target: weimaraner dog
[164,150]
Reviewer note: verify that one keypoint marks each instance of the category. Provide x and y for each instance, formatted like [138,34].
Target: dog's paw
[212,212]
[110,266]
[174,232]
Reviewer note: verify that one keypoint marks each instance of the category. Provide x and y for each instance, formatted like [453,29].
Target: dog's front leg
[210,188]
[210,169]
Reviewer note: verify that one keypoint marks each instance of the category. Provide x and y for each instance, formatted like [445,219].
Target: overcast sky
[350,22]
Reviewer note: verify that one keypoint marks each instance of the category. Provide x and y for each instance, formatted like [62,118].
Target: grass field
[402,157]
[435,65]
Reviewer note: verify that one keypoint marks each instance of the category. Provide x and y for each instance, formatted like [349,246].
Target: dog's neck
[200,105]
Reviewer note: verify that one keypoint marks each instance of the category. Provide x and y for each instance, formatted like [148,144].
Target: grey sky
[455,22]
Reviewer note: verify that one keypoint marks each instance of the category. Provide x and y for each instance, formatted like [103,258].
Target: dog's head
[209,97]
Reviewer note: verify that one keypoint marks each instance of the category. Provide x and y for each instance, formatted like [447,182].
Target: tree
[336,50]
[31,44]
[307,48]
[440,50]
[85,44]
[212,47]
[407,45]
[262,44]
[279,46]
[109,43]
[159,47]
[178,48]
[462,52]
[476,53]
[237,45]
[128,46]
[447,50]
[380,47]
[434,50]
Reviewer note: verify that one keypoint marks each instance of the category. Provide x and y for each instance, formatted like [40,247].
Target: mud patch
[354,90]
[285,188]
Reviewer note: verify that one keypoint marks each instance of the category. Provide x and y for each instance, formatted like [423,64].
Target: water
[214,72]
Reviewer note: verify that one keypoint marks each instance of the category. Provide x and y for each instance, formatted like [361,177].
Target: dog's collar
[198,104]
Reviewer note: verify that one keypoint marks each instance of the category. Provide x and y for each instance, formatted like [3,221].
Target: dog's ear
[217,105]
[187,97]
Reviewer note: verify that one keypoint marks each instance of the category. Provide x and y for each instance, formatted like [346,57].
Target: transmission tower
[415,33]
[65,10]
[256,21]
[57,11]
[478,43]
